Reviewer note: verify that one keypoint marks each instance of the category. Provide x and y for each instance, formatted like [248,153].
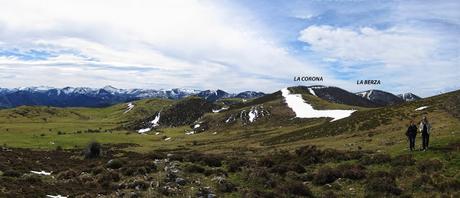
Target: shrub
[234,165]
[226,186]
[266,162]
[309,155]
[257,193]
[69,174]
[296,168]
[381,183]
[114,164]
[446,184]
[215,171]
[350,171]
[210,160]
[93,150]
[32,179]
[375,159]
[156,155]
[11,173]
[294,188]
[193,168]
[128,171]
[421,181]
[403,160]
[279,169]
[429,165]
[326,175]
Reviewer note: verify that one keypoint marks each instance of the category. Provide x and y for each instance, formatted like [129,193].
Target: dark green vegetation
[98,151]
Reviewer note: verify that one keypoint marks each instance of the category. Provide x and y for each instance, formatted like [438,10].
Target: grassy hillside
[364,155]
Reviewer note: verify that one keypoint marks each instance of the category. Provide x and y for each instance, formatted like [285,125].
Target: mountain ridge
[100,97]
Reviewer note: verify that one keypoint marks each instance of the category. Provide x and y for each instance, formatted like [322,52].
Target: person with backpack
[425,129]
[411,133]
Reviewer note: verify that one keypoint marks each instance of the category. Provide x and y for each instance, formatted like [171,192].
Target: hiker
[411,133]
[425,129]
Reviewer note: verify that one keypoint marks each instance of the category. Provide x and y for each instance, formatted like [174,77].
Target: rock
[181,181]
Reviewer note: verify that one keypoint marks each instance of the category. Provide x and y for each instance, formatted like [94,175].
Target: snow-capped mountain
[94,97]
[379,97]
[409,97]
[338,95]
[213,95]
[249,94]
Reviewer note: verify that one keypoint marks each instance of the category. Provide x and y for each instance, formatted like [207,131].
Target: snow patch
[156,120]
[55,196]
[190,133]
[421,108]
[41,173]
[144,130]
[167,139]
[196,126]
[219,110]
[252,115]
[130,106]
[305,110]
[312,92]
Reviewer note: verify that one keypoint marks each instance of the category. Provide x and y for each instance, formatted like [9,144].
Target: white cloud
[404,58]
[393,46]
[165,43]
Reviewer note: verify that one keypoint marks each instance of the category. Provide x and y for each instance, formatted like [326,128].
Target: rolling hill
[289,142]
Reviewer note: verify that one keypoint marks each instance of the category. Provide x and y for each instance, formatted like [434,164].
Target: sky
[234,45]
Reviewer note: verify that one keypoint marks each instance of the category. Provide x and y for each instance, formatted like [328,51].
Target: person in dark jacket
[411,133]
[425,129]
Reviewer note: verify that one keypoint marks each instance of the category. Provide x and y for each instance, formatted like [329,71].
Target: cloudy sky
[411,46]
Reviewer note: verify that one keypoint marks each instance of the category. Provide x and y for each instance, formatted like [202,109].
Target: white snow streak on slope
[40,172]
[421,108]
[130,106]
[219,110]
[252,115]
[312,91]
[154,124]
[144,130]
[156,120]
[305,110]
[55,196]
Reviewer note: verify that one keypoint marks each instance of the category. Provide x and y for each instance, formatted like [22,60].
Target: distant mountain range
[108,95]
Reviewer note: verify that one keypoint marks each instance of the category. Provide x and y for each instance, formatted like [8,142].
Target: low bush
[326,175]
[381,183]
[226,186]
[193,168]
[114,164]
[211,160]
[294,188]
[403,160]
[429,165]
[93,150]
[235,165]
[69,174]
[375,159]
[352,171]
[11,173]
[421,181]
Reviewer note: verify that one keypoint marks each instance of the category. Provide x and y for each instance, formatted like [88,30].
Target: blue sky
[411,46]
